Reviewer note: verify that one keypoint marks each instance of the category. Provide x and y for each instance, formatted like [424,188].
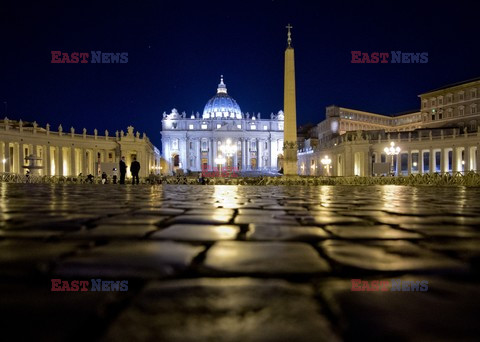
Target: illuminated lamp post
[326,161]
[228,149]
[220,160]
[392,151]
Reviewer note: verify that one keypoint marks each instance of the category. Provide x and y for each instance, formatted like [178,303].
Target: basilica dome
[222,105]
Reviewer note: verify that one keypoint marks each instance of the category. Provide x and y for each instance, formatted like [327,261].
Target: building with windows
[443,136]
[222,136]
[62,153]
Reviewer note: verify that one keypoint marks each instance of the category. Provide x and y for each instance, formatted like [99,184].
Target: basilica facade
[222,136]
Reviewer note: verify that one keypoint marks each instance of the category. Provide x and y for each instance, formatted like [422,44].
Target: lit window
[219,125]
[253,127]
[190,126]
[265,127]
[204,126]
[239,126]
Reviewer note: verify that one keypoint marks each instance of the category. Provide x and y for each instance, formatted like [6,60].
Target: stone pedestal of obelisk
[290,112]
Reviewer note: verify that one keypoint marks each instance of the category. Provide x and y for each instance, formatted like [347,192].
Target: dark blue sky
[178,49]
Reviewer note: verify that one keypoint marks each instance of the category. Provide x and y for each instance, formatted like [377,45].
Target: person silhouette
[135,169]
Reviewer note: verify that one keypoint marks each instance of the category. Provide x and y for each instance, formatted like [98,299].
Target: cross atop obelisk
[289,35]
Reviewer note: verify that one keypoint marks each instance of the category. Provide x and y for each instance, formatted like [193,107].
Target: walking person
[123,170]
[135,169]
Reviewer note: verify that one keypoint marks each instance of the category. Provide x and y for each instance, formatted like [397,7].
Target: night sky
[177,51]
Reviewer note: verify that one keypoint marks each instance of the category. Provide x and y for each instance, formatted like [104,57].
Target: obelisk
[290,112]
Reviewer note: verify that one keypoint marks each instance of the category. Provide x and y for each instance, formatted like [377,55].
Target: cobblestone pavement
[239,263]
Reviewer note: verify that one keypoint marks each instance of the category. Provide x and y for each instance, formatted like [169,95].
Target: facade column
[73,166]
[21,158]
[466,156]
[2,157]
[455,159]
[431,161]
[420,161]
[399,164]
[409,168]
[60,161]
[210,153]
[269,151]
[215,152]
[244,164]
[95,162]
[443,161]
[84,162]
[248,154]
[259,154]
[235,155]
[7,157]
[198,149]
[47,165]
[187,154]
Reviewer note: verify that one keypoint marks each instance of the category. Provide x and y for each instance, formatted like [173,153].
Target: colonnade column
[259,154]
[73,168]
[48,163]
[215,152]
[409,167]
[399,164]
[431,161]
[443,161]
[420,161]
[244,152]
[455,158]
[210,153]
[59,168]
[21,158]
[198,148]
[84,162]
[6,156]
[466,157]
[247,155]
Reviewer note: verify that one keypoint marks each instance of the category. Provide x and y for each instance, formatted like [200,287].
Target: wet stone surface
[240,263]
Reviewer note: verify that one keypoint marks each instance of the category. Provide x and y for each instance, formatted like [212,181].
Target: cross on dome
[222,88]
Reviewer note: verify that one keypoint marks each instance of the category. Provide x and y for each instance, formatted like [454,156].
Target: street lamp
[392,151]
[228,149]
[220,160]
[326,161]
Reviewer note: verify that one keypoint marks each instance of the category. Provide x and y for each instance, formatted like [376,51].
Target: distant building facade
[69,153]
[443,136]
[222,133]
